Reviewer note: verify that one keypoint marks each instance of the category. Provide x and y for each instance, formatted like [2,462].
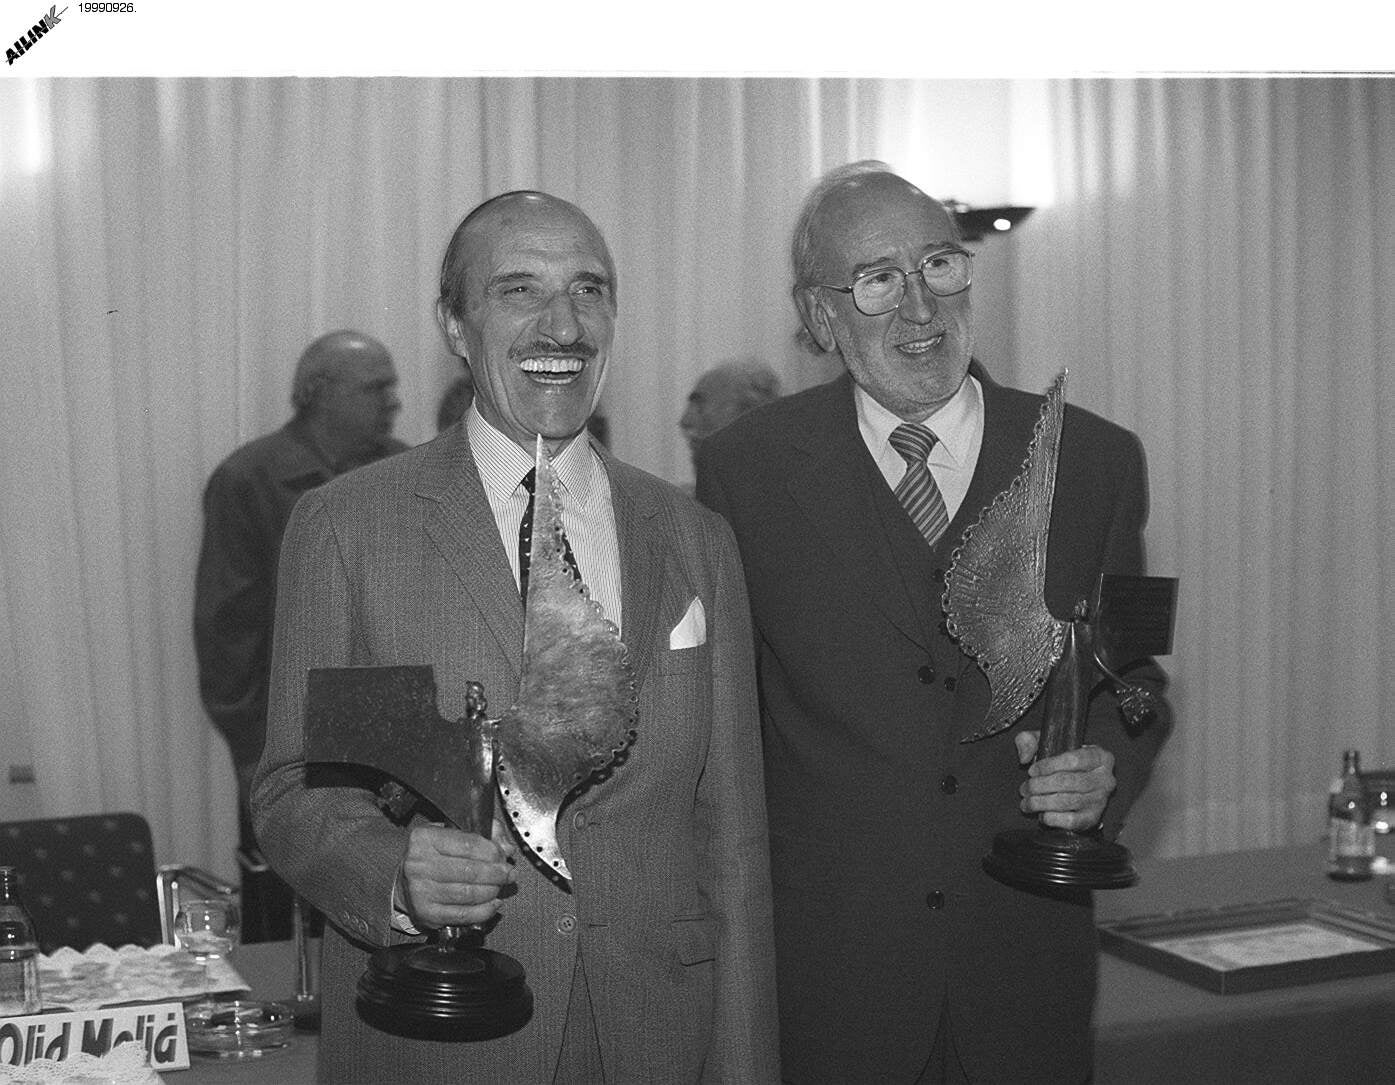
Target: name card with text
[157,1028]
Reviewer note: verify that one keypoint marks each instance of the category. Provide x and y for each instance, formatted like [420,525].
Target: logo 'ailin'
[23,44]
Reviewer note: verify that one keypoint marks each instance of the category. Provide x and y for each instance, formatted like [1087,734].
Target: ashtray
[238,1029]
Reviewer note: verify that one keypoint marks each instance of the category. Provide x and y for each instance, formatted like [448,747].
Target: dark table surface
[269,969]
[1153,1028]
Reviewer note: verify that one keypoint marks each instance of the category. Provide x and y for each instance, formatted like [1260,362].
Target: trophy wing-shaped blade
[576,707]
[994,596]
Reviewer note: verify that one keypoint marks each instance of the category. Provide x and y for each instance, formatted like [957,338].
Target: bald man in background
[723,394]
[345,399]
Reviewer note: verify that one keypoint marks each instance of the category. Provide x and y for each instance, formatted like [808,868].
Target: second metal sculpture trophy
[995,607]
[573,718]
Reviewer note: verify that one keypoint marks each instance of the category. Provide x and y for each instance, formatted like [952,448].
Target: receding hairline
[837,182]
[524,203]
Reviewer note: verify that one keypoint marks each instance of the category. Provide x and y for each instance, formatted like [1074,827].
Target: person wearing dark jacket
[898,959]
[345,400]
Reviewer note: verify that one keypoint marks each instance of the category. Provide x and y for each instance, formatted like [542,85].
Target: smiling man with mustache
[655,963]
[898,958]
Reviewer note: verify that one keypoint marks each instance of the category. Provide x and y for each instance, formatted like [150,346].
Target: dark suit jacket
[246,504]
[401,562]
[879,814]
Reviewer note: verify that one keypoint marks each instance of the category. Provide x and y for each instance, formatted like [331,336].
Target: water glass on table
[207,930]
[225,1029]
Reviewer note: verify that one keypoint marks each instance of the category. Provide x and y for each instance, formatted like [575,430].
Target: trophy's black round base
[1059,859]
[444,992]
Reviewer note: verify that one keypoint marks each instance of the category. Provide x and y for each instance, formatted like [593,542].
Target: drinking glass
[207,930]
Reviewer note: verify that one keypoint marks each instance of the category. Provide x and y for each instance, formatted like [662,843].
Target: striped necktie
[525,537]
[917,491]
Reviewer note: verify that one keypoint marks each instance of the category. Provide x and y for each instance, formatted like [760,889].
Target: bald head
[337,355]
[345,390]
[723,394]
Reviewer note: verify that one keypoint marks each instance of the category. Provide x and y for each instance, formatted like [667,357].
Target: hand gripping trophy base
[452,988]
[995,606]
[1047,858]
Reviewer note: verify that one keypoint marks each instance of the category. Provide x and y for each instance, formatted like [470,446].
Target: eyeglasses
[880,289]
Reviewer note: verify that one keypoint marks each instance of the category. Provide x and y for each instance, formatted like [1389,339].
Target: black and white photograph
[743,545]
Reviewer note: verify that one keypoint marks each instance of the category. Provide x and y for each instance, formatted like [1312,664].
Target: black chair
[92,878]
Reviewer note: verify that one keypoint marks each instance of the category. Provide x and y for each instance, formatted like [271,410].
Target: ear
[450,325]
[815,316]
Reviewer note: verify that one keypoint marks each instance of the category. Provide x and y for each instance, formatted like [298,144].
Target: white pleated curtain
[1217,270]
[1209,259]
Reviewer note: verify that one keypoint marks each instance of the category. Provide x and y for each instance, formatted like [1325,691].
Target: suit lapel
[649,594]
[462,529]
[837,486]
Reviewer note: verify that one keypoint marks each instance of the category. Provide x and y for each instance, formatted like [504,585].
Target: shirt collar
[954,424]
[502,463]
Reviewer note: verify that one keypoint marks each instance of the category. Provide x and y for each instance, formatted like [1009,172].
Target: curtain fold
[1216,273]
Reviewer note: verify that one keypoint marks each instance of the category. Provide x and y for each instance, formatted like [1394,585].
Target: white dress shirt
[957,426]
[588,515]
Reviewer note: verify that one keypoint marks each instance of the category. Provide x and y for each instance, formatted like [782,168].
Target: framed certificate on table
[1251,947]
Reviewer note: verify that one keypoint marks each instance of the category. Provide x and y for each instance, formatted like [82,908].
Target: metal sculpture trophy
[995,606]
[572,721]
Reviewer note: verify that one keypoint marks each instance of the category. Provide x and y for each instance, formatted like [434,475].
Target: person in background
[655,962]
[898,958]
[345,400]
[455,400]
[723,394]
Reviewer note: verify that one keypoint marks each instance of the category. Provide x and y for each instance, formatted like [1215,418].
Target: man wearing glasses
[898,958]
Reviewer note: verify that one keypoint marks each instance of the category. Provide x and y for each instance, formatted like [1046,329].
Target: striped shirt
[588,516]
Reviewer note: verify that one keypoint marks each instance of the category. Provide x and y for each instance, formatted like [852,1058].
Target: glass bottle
[19,951]
[1351,841]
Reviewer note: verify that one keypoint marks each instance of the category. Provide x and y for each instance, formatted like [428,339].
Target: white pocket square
[691,629]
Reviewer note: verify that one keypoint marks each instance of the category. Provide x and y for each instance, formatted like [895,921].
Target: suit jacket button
[935,900]
[926,674]
[949,785]
[579,820]
[566,924]
[950,682]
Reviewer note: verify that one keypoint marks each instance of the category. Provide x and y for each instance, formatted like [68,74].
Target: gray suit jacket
[400,563]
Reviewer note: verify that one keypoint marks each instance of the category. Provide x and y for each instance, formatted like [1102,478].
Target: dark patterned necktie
[917,491]
[525,539]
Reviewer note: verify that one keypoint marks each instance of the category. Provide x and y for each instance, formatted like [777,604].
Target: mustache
[545,348]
